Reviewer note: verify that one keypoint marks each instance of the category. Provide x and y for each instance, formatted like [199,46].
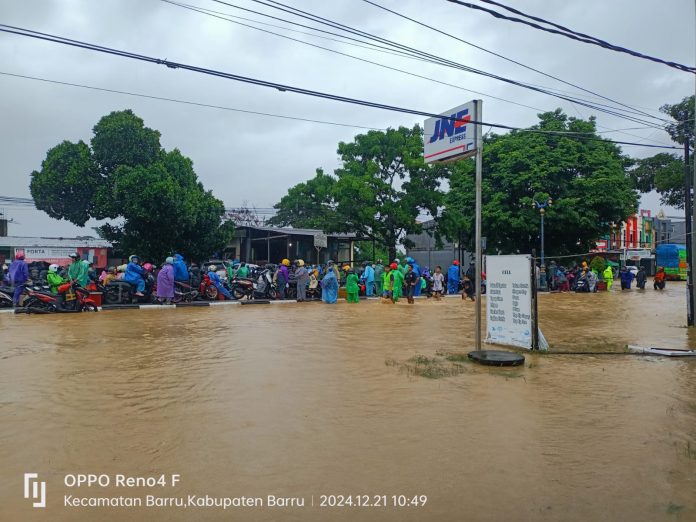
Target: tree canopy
[378,192]
[155,196]
[586,178]
[664,172]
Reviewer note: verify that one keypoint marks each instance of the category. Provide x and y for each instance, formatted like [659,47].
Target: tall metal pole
[478,265]
[692,289]
[687,225]
[543,264]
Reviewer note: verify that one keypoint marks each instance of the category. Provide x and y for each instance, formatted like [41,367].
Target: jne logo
[455,124]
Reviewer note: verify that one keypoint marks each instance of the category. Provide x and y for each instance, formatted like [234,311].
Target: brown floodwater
[305,400]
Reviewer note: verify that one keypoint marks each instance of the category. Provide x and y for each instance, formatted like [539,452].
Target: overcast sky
[255,159]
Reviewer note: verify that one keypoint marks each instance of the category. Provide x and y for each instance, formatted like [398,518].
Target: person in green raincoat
[243,271]
[352,288]
[398,282]
[608,277]
[78,271]
[379,281]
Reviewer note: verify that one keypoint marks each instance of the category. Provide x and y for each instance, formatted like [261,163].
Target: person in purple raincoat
[165,282]
[18,275]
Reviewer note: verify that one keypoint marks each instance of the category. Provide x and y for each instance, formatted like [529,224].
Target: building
[259,245]
[426,252]
[55,249]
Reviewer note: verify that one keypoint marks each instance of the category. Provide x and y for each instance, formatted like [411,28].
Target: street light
[542,210]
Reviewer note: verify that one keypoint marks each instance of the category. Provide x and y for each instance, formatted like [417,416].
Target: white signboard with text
[451,137]
[509,300]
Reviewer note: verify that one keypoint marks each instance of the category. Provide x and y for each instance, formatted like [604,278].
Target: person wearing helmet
[135,275]
[302,279]
[78,271]
[369,276]
[453,278]
[352,288]
[397,277]
[215,279]
[282,277]
[17,276]
[54,281]
[329,285]
[111,275]
[165,281]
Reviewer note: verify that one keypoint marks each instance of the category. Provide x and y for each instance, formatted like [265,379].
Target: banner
[509,300]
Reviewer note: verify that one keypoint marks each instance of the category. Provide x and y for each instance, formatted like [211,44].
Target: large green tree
[378,192]
[664,172]
[154,195]
[586,178]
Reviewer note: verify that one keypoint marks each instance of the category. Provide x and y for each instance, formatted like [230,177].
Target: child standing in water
[468,289]
[438,283]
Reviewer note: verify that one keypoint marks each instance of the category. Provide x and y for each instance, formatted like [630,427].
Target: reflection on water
[297,400]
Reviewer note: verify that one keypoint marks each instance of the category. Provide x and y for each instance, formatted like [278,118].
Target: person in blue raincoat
[180,271]
[134,275]
[453,278]
[215,279]
[417,271]
[369,275]
[329,285]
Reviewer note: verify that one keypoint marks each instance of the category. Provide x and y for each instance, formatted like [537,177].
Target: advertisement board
[509,300]
[451,136]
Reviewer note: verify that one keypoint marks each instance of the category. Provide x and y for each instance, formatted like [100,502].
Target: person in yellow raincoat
[608,277]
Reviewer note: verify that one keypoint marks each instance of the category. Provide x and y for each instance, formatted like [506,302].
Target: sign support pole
[478,265]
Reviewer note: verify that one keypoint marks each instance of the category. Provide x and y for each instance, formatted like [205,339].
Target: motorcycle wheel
[211,292]
[238,293]
[272,293]
[89,307]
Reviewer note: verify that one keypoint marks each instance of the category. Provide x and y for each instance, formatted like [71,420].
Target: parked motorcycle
[207,290]
[6,294]
[75,299]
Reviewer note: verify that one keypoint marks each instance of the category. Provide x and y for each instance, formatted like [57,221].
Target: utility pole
[479,258]
[690,218]
[689,243]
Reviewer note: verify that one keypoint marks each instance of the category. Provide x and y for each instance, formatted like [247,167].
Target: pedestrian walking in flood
[352,288]
[626,278]
[165,282]
[411,279]
[660,279]
[641,278]
[453,278]
[438,283]
[608,275]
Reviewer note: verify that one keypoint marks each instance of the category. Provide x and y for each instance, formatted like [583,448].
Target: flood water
[297,400]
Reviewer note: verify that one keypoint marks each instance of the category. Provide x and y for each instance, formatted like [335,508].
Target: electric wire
[568,33]
[442,61]
[286,88]
[188,102]
[516,62]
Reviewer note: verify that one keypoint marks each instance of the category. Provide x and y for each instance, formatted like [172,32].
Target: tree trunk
[392,253]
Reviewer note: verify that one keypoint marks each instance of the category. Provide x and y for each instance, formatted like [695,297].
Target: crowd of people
[297,280]
[582,278]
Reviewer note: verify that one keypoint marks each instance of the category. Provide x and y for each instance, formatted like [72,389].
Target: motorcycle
[6,294]
[123,292]
[207,290]
[75,299]
[184,293]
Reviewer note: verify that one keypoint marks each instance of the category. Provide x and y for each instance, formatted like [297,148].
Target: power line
[279,86]
[441,61]
[445,33]
[568,33]
[192,8]
[187,102]
[207,105]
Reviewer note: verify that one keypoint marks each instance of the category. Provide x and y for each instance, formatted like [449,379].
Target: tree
[586,179]
[664,172]
[155,196]
[378,192]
